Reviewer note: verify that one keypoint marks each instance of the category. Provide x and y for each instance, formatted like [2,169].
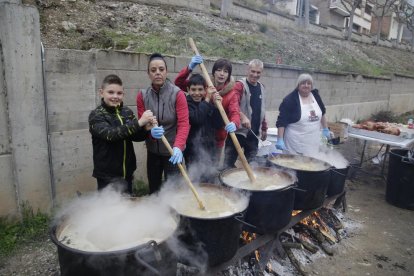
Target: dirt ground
[378,240]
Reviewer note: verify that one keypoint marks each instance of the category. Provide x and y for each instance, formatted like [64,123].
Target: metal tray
[376,135]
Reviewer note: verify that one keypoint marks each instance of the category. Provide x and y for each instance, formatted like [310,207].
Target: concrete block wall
[345,96]
[70,88]
[242,12]
[203,5]
[72,83]
[24,160]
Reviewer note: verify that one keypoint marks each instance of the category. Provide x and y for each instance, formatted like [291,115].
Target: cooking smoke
[332,157]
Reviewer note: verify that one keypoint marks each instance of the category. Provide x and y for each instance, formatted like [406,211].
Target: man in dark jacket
[113,128]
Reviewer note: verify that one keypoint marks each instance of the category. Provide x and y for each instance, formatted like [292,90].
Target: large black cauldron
[146,259]
[312,183]
[268,210]
[337,184]
[215,240]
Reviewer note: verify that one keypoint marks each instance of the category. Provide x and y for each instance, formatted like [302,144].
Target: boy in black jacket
[204,119]
[113,128]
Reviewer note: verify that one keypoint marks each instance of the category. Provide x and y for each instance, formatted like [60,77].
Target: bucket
[400,180]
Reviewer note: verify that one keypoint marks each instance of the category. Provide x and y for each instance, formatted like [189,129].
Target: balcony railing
[336,6]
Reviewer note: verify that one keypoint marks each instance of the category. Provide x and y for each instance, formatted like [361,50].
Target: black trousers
[157,165]
[118,183]
[249,144]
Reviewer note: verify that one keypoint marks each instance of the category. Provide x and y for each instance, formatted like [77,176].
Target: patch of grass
[14,233]
[351,64]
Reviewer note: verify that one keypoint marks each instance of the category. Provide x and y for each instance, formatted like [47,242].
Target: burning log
[331,239]
[320,238]
[292,245]
[295,262]
[331,219]
[269,270]
[310,247]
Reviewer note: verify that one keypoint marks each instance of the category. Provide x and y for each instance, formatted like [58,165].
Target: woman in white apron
[301,119]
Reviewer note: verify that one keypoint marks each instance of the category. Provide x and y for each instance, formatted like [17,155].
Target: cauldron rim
[215,218]
[53,236]
[289,186]
[327,165]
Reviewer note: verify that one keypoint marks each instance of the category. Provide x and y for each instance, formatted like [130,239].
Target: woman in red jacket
[169,105]
[224,84]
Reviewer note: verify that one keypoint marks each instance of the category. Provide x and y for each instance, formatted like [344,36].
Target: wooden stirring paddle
[225,118]
[184,173]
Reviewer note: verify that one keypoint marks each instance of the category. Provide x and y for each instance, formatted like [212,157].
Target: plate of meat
[379,130]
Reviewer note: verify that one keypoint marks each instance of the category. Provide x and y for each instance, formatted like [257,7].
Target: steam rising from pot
[107,221]
[332,157]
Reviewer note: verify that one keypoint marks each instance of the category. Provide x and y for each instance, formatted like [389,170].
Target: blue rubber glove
[177,156]
[195,60]
[157,132]
[230,127]
[326,133]
[280,144]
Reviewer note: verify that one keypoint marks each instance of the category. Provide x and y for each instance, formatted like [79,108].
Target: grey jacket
[162,104]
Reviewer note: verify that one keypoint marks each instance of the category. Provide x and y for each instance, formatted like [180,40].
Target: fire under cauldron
[270,205]
[212,238]
[313,178]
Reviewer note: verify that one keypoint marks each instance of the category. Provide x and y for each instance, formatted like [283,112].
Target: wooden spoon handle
[184,173]
[225,118]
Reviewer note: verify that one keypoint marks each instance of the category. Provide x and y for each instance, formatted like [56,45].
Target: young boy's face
[112,94]
[197,92]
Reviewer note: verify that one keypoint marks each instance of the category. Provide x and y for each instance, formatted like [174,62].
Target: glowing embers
[293,250]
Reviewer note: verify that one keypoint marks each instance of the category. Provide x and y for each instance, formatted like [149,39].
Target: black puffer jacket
[113,130]
[204,120]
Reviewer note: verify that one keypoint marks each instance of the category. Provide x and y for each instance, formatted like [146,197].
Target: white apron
[304,136]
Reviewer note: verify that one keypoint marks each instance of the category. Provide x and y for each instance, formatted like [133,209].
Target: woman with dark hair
[301,119]
[224,84]
[168,103]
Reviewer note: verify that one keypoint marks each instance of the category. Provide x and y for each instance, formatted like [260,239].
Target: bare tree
[303,13]
[350,6]
[409,21]
[397,7]
[306,4]
[405,15]
[381,9]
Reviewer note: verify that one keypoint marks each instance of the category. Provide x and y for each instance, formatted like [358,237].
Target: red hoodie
[230,102]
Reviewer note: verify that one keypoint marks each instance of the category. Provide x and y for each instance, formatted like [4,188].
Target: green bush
[15,232]
[384,116]
[263,28]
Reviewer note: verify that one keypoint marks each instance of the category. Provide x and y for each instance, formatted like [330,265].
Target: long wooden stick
[184,173]
[225,118]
